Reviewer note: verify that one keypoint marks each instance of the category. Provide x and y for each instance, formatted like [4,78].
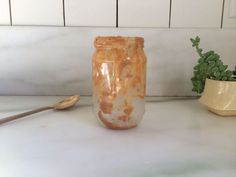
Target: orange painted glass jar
[119,81]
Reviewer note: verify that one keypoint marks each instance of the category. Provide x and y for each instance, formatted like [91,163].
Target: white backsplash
[57,60]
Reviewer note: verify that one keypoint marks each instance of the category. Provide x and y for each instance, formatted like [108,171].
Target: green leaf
[217,57]
[198,77]
[217,74]
[229,73]
[219,63]
[222,67]
[197,39]
[212,64]
[196,67]
[215,69]
[224,78]
[192,40]
[211,58]
[207,54]
[201,60]
[199,87]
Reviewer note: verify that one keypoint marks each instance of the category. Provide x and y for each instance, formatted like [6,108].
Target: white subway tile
[90,12]
[229,20]
[148,13]
[4,12]
[37,12]
[196,13]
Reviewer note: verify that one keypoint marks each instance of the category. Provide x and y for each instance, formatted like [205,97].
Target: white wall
[57,61]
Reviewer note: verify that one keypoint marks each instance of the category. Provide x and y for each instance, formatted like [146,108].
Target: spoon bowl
[67,103]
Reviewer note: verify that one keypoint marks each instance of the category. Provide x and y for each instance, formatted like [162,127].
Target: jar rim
[118,42]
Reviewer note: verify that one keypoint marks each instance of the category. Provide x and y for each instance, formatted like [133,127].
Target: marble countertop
[177,138]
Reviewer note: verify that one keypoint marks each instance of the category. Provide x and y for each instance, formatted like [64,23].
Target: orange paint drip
[113,126]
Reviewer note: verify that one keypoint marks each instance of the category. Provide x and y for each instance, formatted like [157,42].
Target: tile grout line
[10,12]
[222,16]
[64,15]
[170,13]
[117,13]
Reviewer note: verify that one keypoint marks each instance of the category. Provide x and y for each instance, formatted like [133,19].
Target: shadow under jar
[119,81]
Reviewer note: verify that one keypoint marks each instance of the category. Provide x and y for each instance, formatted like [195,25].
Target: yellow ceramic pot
[220,97]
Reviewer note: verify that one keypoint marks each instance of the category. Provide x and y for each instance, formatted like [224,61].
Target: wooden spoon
[62,105]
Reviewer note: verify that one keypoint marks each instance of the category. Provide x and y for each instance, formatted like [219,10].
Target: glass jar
[119,81]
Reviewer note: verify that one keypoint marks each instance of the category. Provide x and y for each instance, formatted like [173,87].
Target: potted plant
[215,81]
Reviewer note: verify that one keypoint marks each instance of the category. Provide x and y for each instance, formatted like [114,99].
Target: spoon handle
[17,116]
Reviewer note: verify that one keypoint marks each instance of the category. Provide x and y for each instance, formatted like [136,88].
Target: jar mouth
[118,42]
